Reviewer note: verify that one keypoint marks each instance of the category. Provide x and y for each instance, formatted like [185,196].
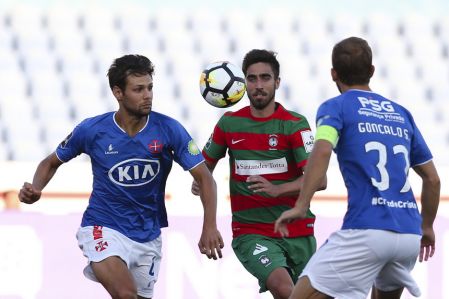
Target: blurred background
[54,56]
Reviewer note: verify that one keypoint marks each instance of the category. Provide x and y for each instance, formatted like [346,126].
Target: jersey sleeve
[329,114]
[73,145]
[216,146]
[186,152]
[301,141]
[420,152]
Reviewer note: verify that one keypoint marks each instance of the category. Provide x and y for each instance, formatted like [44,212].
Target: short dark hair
[352,60]
[126,65]
[257,55]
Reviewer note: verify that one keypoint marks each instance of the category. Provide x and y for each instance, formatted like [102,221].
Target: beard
[261,102]
[138,112]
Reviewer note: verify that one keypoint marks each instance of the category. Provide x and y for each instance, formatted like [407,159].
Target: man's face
[137,97]
[261,85]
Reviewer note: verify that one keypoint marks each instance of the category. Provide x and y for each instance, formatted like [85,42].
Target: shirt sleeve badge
[193,148]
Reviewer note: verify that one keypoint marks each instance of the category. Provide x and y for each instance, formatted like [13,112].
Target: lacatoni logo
[134,172]
[111,150]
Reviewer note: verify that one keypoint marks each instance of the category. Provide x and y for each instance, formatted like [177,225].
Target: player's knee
[125,293]
[281,291]
[280,284]
[378,294]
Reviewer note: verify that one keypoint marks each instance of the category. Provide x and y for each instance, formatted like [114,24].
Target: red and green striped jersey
[275,147]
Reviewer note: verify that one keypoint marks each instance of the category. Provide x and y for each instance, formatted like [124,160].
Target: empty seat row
[53,63]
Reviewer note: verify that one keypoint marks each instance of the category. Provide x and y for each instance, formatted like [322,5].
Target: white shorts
[143,259]
[352,261]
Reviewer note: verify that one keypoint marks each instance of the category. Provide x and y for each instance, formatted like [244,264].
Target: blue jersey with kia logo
[130,173]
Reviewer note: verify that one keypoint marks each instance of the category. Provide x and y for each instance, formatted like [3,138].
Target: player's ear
[334,75]
[372,71]
[278,82]
[117,92]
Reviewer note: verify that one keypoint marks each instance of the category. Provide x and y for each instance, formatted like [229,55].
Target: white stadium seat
[54,60]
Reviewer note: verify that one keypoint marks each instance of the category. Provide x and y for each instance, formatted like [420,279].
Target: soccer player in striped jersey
[132,152]
[376,141]
[268,149]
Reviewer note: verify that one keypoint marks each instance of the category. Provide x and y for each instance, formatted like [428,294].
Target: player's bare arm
[314,175]
[30,193]
[430,198]
[195,187]
[258,183]
[211,241]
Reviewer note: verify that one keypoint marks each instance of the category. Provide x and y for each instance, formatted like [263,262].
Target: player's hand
[258,183]
[427,244]
[195,188]
[28,194]
[211,243]
[280,226]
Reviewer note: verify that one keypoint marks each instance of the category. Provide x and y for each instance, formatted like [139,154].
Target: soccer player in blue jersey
[376,141]
[132,151]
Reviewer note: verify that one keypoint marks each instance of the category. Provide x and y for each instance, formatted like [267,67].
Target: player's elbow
[51,162]
[429,175]
[323,184]
[432,181]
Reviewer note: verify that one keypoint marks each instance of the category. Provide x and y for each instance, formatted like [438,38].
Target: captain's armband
[328,133]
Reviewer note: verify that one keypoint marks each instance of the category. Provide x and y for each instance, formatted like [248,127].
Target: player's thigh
[396,273]
[145,265]
[345,266]
[298,252]
[98,243]
[378,294]
[304,290]
[114,275]
[259,255]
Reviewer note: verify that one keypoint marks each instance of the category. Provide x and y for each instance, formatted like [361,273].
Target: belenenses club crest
[155,146]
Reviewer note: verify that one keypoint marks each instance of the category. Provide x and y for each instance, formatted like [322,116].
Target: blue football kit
[130,173]
[383,135]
